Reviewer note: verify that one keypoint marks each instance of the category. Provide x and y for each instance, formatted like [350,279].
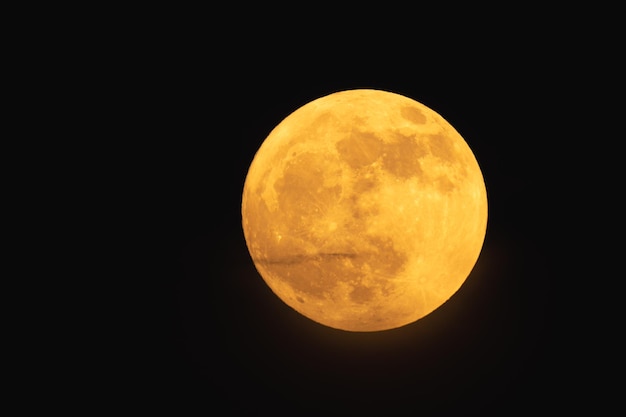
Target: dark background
[211,334]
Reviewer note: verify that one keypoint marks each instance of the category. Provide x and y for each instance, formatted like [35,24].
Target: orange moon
[364,210]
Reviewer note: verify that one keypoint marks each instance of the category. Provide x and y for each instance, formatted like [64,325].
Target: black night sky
[213,334]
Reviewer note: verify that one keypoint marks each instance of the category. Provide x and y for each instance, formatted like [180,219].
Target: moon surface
[364,210]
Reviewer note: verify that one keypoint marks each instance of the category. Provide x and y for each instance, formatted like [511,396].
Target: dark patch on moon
[301,191]
[388,261]
[444,184]
[413,115]
[364,184]
[361,294]
[359,149]
[322,123]
[442,147]
[401,157]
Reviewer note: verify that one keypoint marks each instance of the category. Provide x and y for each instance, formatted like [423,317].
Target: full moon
[364,210]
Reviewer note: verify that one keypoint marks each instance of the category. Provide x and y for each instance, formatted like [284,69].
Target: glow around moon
[364,210]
